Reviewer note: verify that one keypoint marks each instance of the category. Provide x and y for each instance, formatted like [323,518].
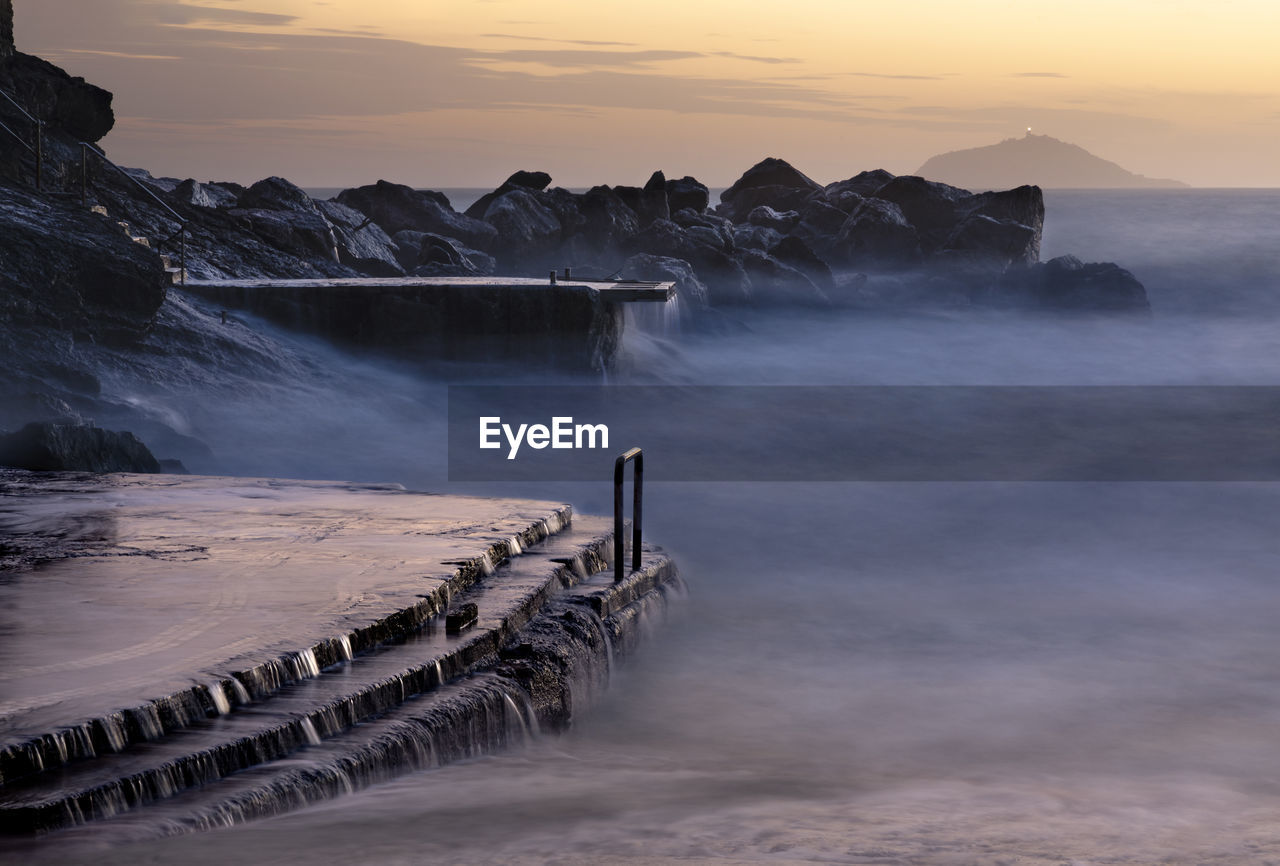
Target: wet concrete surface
[129,588]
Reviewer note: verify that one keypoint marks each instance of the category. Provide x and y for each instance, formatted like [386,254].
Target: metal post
[182,262]
[84,175]
[637,501]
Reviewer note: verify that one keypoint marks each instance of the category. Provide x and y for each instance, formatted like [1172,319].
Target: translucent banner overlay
[867,433]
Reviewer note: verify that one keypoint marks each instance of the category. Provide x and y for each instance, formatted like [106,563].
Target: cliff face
[6,28]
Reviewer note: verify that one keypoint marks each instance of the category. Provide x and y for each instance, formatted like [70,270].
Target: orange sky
[464,92]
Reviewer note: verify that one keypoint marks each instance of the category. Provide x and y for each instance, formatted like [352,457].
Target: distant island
[1034,159]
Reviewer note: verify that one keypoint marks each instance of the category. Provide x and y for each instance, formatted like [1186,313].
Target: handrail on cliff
[637,485]
[85,150]
[38,150]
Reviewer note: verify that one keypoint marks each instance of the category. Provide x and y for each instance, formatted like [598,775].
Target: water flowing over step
[170,596]
[546,623]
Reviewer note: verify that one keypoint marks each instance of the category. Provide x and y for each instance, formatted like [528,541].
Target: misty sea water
[910,673]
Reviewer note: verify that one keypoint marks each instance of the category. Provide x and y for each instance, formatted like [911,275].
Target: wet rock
[877,235]
[526,231]
[861,185]
[67,268]
[750,237]
[362,243]
[529,181]
[396,207]
[276,193]
[773,282]
[608,225]
[687,192]
[204,195]
[932,209]
[796,253]
[48,447]
[643,266]
[772,182]
[769,218]
[689,218]
[997,243]
[534,180]
[653,200]
[6,29]
[1067,283]
[439,256]
[69,106]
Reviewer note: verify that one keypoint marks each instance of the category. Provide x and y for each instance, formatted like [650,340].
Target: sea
[924,672]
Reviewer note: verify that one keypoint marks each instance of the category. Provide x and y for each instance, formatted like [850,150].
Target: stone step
[344,695]
[39,736]
[547,671]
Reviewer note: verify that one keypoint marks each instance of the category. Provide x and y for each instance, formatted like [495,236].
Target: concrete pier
[164,633]
[565,323]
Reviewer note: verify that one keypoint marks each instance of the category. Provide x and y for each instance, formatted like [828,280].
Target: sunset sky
[450,93]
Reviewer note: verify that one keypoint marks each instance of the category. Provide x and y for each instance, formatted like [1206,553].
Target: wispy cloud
[125,55]
[892,76]
[755,58]
[583,58]
[1037,75]
[559,41]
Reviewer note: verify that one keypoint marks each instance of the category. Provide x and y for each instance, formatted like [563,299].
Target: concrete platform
[184,652]
[161,582]
[621,291]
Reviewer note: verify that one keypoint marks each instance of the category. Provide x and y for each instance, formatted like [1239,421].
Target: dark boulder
[1066,283]
[773,282]
[362,244]
[203,194]
[607,224]
[687,193]
[6,29]
[276,193]
[397,207]
[48,447]
[877,235]
[769,218]
[74,270]
[529,181]
[653,200]
[69,106]
[750,237]
[931,208]
[439,256]
[981,239]
[724,277]
[772,182]
[642,266]
[796,253]
[534,180]
[1023,205]
[861,185]
[527,232]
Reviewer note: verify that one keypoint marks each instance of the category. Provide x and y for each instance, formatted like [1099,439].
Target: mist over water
[866,673]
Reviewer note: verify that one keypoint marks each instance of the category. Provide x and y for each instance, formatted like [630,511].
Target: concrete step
[544,674]
[371,686]
[287,578]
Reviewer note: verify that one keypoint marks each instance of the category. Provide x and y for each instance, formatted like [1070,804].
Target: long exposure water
[941,673]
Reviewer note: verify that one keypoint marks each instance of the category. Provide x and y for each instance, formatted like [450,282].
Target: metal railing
[38,150]
[637,485]
[85,150]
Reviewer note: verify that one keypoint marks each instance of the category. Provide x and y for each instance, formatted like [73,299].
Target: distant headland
[1035,159]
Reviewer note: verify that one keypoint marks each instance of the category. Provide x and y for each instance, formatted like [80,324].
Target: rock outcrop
[6,29]
[47,447]
[75,270]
